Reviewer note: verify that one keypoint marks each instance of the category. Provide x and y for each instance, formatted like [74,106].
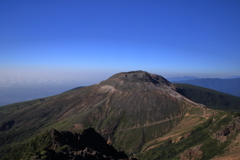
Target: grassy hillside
[211,98]
[217,136]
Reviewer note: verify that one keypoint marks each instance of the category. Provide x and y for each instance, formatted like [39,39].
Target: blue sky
[88,41]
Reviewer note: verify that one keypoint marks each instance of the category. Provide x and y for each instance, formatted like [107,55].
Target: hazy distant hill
[229,86]
[138,112]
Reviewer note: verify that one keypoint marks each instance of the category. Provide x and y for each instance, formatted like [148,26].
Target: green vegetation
[37,148]
[169,150]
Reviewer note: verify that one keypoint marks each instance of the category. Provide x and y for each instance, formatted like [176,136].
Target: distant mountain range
[173,79]
[232,77]
[141,113]
[184,78]
[229,86]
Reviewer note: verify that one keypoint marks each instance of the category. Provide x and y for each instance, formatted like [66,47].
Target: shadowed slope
[211,98]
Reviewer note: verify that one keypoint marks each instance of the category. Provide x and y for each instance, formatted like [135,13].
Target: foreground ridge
[65,145]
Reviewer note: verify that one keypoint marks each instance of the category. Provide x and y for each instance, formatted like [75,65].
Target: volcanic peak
[137,80]
[136,76]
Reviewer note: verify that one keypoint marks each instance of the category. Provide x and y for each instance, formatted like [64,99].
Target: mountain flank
[211,98]
[229,86]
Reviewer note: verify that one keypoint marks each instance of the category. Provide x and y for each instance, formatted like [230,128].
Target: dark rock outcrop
[87,145]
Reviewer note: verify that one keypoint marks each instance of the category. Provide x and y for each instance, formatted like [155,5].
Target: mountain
[125,105]
[229,86]
[137,112]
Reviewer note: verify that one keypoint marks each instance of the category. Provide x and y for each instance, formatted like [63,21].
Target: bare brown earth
[192,153]
[193,117]
[232,156]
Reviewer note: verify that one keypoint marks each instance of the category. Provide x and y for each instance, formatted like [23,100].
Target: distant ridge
[232,77]
[229,86]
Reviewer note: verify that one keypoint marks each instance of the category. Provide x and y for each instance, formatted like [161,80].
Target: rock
[191,154]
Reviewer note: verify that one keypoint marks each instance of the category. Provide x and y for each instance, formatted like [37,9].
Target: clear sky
[89,40]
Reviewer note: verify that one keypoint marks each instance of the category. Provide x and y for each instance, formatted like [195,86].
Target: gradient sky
[89,40]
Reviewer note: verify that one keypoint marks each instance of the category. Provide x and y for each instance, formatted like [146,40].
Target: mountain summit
[141,80]
[137,80]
